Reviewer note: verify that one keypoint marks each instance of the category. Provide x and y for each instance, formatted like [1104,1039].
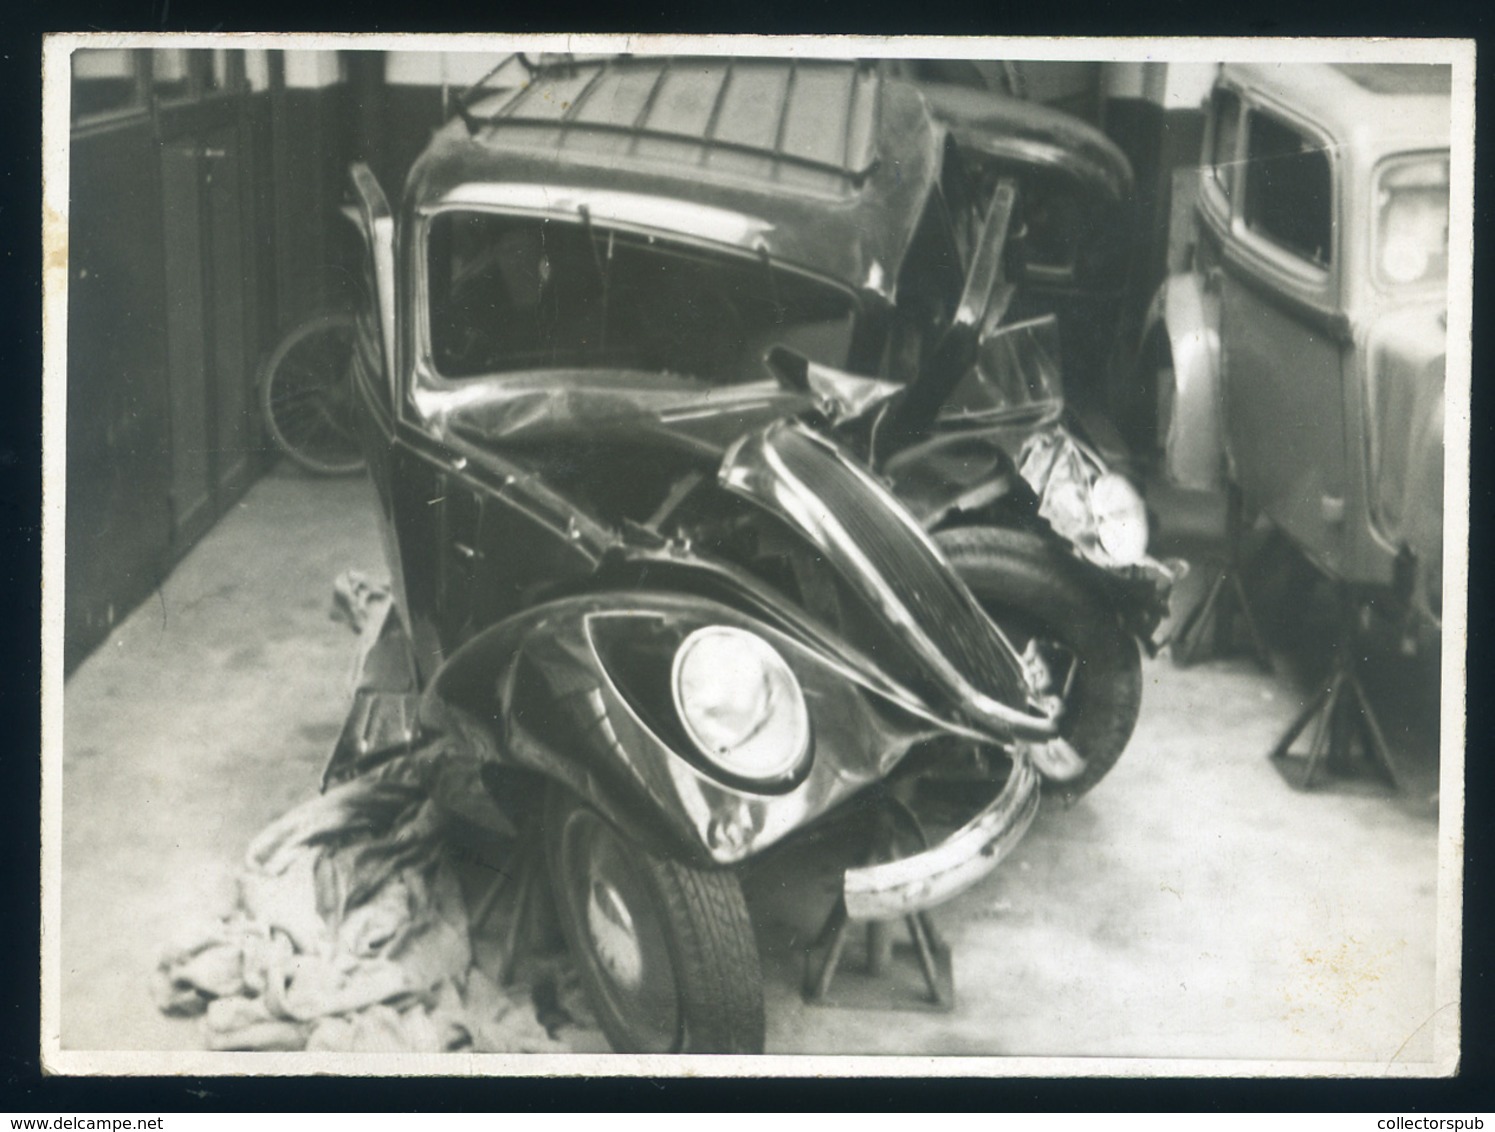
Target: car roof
[1381,108]
[832,160]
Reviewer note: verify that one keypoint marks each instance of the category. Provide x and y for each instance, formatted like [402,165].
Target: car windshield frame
[429,374]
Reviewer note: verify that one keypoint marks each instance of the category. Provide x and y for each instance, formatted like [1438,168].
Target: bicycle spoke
[306,395]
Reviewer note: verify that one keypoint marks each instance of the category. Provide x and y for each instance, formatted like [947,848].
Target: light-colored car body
[1305,346]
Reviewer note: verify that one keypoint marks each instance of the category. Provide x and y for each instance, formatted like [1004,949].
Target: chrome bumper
[912,884]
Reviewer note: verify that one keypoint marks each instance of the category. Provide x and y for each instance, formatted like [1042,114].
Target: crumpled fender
[537,691]
[1186,311]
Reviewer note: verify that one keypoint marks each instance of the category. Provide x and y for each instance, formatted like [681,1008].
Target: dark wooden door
[216,436]
[229,286]
[186,339]
[118,443]
[167,234]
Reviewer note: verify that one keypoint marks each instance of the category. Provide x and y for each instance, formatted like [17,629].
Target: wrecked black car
[653,348]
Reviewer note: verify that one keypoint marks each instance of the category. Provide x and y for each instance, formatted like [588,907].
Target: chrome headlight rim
[777,749]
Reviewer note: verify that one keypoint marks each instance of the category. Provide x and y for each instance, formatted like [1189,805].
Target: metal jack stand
[880,984]
[1337,722]
[1225,600]
[880,987]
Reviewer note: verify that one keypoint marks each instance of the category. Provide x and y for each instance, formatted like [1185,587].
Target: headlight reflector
[739,703]
[1120,519]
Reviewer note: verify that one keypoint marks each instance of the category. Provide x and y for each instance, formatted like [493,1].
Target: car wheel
[665,950]
[1089,657]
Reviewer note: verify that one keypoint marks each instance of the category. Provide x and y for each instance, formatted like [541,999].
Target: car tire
[665,950]
[1034,594]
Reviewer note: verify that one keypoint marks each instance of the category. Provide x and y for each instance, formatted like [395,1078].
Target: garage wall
[409,91]
[1153,112]
[312,125]
[201,186]
[163,319]
[1072,86]
[118,496]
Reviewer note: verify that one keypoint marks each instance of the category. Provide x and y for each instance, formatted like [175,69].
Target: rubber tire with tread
[1020,582]
[717,975]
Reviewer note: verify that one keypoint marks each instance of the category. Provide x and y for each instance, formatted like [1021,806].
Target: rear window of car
[511,293]
[1288,189]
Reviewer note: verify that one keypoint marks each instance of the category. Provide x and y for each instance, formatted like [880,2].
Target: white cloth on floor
[350,933]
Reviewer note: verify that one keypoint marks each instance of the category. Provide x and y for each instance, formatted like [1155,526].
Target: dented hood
[593,405]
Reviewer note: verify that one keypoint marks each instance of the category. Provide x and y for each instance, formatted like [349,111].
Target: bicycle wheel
[306,395]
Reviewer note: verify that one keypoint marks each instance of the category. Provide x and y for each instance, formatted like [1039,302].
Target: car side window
[1288,189]
[1225,127]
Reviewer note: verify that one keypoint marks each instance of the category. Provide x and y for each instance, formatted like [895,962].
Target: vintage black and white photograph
[755,556]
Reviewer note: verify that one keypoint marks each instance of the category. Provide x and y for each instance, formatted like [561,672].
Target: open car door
[375,356]
[376,377]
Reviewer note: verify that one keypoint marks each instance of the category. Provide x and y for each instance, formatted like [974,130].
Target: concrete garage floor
[1193,906]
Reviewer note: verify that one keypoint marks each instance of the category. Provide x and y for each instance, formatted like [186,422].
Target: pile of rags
[350,933]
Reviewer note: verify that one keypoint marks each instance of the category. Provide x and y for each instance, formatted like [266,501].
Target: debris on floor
[350,933]
[355,597]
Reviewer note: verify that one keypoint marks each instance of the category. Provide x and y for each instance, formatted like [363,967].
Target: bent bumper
[912,884]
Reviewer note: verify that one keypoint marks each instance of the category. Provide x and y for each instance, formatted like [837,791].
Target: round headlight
[739,703]
[1120,518]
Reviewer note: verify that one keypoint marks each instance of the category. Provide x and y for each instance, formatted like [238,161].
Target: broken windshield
[511,293]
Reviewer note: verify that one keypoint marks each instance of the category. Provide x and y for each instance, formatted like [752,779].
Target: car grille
[912,569]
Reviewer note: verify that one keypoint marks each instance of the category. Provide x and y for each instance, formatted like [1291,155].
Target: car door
[1282,332]
[482,528]
[401,479]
